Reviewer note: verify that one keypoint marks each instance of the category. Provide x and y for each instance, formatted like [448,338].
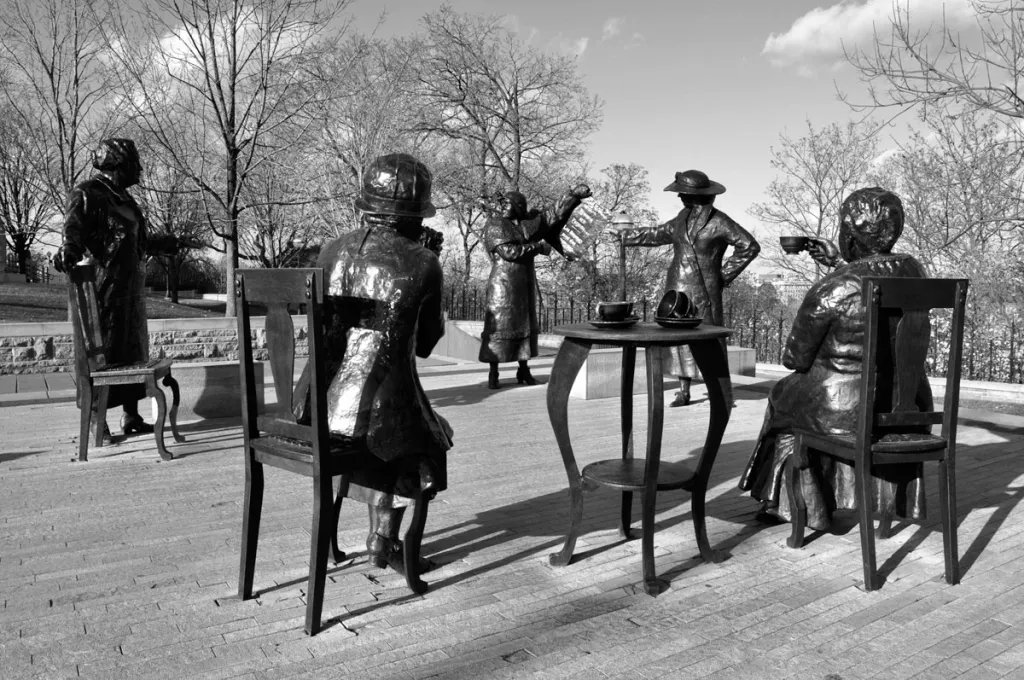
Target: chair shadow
[1004,503]
[15,455]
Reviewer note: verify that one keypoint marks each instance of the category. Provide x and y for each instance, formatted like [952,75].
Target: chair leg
[170,382]
[85,419]
[947,506]
[626,515]
[412,542]
[320,542]
[865,499]
[161,416]
[336,552]
[102,394]
[797,505]
[252,507]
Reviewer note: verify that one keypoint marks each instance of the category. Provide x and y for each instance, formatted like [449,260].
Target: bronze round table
[707,344]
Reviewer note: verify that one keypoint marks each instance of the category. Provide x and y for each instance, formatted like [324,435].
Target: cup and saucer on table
[617,314]
[677,310]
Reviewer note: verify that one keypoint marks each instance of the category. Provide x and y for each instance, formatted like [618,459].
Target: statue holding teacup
[699,235]
[822,250]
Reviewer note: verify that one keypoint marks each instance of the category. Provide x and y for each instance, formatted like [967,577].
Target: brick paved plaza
[126,566]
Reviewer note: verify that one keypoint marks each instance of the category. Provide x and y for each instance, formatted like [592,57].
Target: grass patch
[37,302]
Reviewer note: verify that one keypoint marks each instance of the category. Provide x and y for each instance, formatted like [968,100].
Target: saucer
[683,322]
[621,323]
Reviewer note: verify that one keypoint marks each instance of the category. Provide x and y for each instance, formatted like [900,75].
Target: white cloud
[612,27]
[817,39]
[569,45]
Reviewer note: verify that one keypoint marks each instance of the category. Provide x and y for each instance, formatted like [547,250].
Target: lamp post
[621,222]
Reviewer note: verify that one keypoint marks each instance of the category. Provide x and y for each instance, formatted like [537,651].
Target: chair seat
[269,447]
[628,474]
[141,369]
[890,443]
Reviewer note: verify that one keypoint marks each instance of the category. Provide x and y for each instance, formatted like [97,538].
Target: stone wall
[47,347]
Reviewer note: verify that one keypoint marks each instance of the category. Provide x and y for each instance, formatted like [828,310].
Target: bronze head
[516,208]
[870,222]
[118,155]
[396,184]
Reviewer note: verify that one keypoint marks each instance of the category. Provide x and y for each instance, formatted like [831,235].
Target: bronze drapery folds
[514,238]
[699,235]
[824,352]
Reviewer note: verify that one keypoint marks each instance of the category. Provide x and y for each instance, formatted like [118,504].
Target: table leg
[713,362]
[570,359]
[655,425]
[626,405]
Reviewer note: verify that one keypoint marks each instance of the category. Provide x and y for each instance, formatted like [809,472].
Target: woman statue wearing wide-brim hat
[699,235]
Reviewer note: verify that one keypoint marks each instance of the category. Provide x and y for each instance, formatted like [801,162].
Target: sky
[707,84]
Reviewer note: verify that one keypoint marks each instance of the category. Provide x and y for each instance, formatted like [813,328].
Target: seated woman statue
[383,310]
[824,352]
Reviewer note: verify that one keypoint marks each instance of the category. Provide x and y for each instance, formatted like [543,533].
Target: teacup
[614,311]
[794,244]
[676,304]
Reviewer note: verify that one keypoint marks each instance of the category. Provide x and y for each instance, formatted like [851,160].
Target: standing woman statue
[103,223]
[514,236]
[699,235]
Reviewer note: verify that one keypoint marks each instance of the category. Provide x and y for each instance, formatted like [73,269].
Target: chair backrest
[279,292]
[897,334]
[90,351]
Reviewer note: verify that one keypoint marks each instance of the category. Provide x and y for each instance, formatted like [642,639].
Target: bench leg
[161,415]
[170,382]
[252,507]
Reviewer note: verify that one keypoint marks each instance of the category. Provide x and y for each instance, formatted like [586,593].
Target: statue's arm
[661,235]
[430,327]
[744,249]
[76,230]
[811,325]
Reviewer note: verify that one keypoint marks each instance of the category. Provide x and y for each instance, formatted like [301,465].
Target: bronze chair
[278,439]
[95,375]
[891,428]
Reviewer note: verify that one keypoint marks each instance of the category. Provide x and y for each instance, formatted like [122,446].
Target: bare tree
[174,215]
[55,83]
[961,185]
[523,107]
[978,68]
[218,84]
[815,174]
[25,211]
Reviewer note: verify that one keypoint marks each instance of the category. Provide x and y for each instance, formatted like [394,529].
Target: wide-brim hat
[695,183]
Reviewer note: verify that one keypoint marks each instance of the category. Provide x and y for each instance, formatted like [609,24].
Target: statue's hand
[582,191]
[823,251]
[432,240]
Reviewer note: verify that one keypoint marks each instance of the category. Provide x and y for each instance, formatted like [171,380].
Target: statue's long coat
[110,227]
